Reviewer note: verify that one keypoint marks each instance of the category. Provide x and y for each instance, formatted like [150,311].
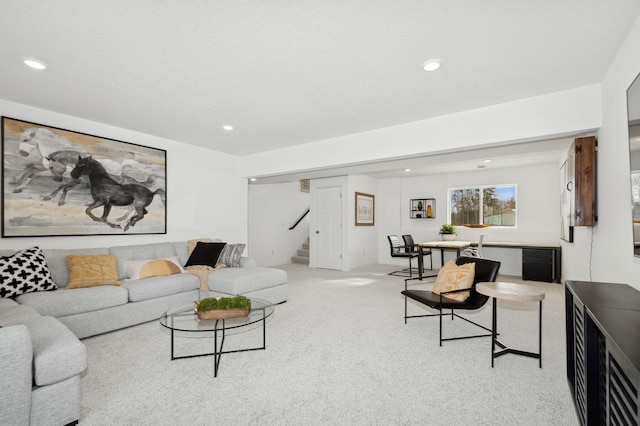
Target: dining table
[443,246]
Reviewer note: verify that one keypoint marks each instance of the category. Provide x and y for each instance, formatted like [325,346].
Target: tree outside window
[498,205]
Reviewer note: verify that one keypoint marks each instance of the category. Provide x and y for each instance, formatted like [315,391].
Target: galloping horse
[37,143]
[106,192]
[62,161]
[42,144]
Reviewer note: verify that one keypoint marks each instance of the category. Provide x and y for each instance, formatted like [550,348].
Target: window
[498,205]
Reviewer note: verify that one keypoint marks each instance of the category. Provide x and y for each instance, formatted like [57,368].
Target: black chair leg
[440,311]
[405,306]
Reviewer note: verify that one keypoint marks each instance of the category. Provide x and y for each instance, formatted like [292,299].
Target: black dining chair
[422,252]
[485,271]
[398,249]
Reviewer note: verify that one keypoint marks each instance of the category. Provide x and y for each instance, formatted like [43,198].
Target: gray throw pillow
[231,254]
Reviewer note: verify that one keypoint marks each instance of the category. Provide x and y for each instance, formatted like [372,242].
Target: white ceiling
[287,72]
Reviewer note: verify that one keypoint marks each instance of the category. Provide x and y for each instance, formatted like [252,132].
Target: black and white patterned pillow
[231,254]
[24,272]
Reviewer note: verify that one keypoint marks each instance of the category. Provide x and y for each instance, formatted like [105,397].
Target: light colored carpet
[338,353]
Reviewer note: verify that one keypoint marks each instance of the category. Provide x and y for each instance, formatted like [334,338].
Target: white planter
[448,237]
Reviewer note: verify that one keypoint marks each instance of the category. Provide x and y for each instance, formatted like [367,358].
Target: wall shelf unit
[422,208]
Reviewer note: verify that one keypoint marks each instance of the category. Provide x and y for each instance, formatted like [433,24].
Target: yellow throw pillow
[160,267]
[92,270]
[454,277]
[132,269]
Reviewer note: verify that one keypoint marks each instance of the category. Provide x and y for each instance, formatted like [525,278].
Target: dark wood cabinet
[578,202]
[603,351]
[584,192]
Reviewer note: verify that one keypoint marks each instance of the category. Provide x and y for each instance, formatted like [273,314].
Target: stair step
[300,259]
[303,252]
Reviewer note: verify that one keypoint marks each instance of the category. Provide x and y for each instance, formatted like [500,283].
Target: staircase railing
[300,219]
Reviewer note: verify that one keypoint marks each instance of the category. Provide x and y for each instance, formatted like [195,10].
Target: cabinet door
[585,181]
[537,264]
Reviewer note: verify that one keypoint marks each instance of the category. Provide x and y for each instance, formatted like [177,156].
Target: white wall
[604,252]
[556,114]
[273,209]
[205,194]
[361,247]
[538,211]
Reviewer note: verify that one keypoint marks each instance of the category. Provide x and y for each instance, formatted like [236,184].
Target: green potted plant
[223,307]
[448,232]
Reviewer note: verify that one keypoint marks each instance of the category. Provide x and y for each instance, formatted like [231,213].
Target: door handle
[317,232]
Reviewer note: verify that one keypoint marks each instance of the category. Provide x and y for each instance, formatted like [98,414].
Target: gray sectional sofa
[40,348]
[40,365]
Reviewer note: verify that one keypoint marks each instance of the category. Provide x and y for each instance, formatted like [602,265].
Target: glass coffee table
[184,319]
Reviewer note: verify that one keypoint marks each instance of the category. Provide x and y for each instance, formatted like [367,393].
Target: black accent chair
[485,271]
[398,249]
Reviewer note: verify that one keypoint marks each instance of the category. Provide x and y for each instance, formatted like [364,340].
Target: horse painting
[107,192]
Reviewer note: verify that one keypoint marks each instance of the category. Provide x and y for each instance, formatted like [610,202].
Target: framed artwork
[365,209]
[305,184]
[59,182]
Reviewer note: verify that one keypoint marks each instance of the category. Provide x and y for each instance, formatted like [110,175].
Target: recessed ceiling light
[407,170]
[228,127]
[431,65]
[253,179]
[35,64]
[486,161]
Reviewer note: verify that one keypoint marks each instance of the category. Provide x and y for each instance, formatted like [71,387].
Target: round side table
[517,293]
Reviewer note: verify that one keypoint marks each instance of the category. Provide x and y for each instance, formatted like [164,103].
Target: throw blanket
[202,272]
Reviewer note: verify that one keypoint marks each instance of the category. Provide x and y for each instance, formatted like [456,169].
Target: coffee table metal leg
[217,353]
[172,357]
[264,329]
[540,335]
[494,324]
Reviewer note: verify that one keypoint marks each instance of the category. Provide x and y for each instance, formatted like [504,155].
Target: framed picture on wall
[60,182]
[365,209]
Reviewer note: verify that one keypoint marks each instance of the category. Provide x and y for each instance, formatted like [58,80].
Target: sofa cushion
[57,352]
[244,280]
[153,287]
[57,261]
[141,252]
[7,303]
[15,370]
[17,314]
[92,270]
[24,272]
[64,301]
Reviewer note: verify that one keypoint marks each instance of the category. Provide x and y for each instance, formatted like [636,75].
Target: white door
[329,228]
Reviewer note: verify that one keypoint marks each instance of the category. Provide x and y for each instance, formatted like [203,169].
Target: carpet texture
[338,353]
